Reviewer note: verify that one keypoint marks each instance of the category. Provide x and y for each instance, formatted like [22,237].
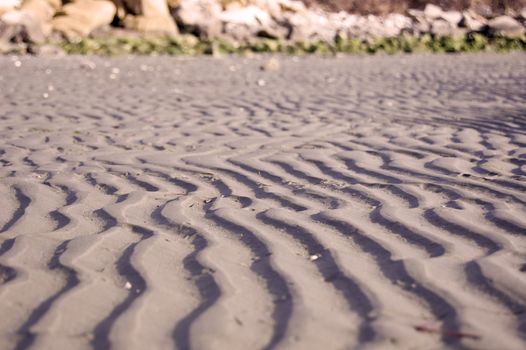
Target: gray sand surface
[337,203]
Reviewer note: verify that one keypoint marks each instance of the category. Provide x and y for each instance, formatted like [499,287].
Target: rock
[420,23]
[81,17]
[275,31]
[309,26]
[246,22]
[20,26]
[238,32]
[441,27]
[12,48]
[415,13]
[31,23]
[432,12]
[271,65]
[148,8]
[394,24]
[151,24]
[452,17]
[9,5]
[43,10]
[47,50]
[506,25]
[482,8]
[472,21]
[251,16]
[271,7]
[523,13]
[149,16]
[200,17]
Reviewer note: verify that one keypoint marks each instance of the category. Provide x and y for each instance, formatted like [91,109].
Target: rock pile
[235,20]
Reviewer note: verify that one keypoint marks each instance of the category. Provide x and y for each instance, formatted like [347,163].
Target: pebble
[314,257]
[271,65]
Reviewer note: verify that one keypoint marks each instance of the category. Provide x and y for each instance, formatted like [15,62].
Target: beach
[372,202]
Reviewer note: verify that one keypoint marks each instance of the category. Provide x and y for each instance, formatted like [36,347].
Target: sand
[204,203]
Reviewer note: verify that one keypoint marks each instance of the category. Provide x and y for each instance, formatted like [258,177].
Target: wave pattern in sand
[203,203]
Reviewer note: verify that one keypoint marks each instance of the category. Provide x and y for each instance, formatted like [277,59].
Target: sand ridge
[355,202]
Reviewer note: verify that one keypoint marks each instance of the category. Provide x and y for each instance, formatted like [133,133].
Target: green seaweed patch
[191,45]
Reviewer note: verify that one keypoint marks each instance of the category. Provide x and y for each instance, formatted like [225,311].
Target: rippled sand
[338,203]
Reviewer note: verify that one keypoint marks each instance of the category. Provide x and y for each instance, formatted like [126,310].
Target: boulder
[482,8]
[149,16]
[420,23]
[151,24]
[309,26]
[506,25]
[239,32]
[272,7]
[452,17]
[200,17]
[292,6]
[374,27]
[242,23]
[31,22]
[148,8]
[79,18]
[441,27]
[472,21]
[523,13]
[43,10]
[9,5]
[432,12]
[19,26]
[251,16]
[394,24]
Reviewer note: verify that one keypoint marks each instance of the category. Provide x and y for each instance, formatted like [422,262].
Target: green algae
[190,45]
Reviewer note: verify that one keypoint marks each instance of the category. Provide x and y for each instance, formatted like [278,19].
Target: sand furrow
[397,272]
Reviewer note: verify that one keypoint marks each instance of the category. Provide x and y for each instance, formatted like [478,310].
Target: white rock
[472,21]
[24,23]
[415,13]
[506,25]
[441,27]
[250,16]
[292,6]
[394,23]
[10,3]
[432,11]
[420,23]
[203,15]
[452,17]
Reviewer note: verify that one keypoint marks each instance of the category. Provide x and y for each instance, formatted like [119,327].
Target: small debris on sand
[271,65]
